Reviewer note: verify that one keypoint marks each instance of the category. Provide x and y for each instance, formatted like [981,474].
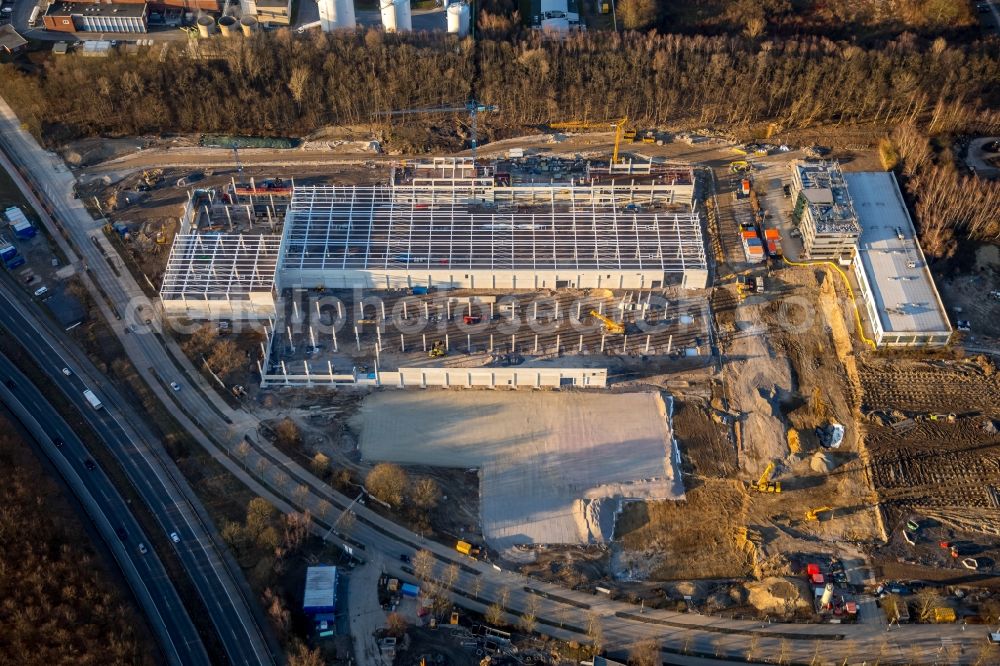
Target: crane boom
[617,125]
[610,325]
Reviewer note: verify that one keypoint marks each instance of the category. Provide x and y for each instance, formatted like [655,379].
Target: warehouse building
[387,238]
[83,17]
[900,299]
[823,211]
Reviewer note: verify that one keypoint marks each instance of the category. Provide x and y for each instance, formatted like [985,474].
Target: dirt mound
[822,463]
[779,596]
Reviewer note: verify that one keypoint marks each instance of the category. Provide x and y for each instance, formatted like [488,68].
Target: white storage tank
[458,19]
[336,14]
[249,25]
[396,15]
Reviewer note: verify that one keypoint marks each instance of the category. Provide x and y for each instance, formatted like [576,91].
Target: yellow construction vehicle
[151,177]
[813,514]
[739,165]
[436,350]
[764,483]
[649,137]
[617,125]
[609,324]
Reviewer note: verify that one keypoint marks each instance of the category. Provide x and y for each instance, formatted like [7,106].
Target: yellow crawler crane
[610,325]
[618,125]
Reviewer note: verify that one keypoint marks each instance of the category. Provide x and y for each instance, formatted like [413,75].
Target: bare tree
[645,653]
[301,655]
[242,451]
[928,599]
[425,493]
[396,625]
[529,619]
[388,483]
[423,564]
[595,632]
[261,466]
[320,464]
[226,358]
[287,433]
[494,614]
[450,577]
[300,494]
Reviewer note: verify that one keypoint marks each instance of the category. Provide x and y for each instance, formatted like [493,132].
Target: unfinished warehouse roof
[364,228]
[901,284]
[826,194]
[220,266]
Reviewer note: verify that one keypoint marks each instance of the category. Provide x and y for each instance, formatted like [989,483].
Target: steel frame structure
[220,267]
[345,228]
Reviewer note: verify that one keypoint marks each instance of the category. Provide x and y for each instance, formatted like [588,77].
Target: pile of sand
[779,596]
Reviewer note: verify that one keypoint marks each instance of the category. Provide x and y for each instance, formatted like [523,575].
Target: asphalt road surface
[155,478]
[110,514]
[561,613]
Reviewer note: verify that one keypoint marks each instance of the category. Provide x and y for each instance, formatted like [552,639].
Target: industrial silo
[249,25]
[206,26]
[458,19]
[404,22]
[227,26]
[336,14]
[396,15]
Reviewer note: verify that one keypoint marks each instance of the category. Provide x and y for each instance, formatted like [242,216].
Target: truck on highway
[467,548]
[92,399]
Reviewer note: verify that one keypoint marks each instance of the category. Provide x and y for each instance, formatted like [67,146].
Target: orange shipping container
[772,234]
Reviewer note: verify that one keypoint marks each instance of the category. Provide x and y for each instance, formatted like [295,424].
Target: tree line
[58,605]
[279,84]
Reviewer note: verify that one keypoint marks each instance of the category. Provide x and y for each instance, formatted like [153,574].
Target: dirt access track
[554,465]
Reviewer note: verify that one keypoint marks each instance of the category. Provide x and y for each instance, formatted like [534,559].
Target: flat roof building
[321,590]
[900,298]
[84,17]
[823,211]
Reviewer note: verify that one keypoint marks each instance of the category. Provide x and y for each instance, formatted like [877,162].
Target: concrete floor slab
[554,467]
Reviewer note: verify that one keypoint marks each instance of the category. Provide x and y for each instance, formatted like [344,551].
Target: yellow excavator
[618,125]
[764,483]
[813,514]
[436,350]
[609,324]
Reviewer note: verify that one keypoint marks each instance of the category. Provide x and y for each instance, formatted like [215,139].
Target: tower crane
[472,107]
[236,156]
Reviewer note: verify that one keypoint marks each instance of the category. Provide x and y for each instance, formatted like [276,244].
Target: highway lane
[109,512]
[155,478]
[218,428]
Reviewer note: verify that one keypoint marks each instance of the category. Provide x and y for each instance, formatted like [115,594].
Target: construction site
[672,320]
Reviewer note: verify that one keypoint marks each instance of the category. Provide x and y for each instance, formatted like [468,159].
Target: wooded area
[276,84]
[57,603]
